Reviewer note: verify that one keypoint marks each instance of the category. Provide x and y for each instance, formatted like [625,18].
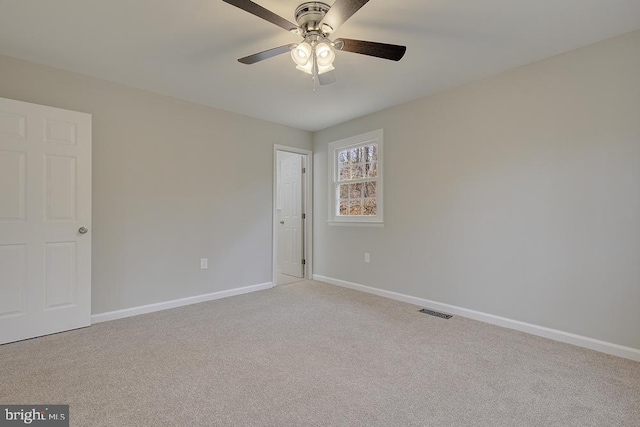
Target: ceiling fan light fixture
[301,54]
[325,55]
[321,54]
[307,68]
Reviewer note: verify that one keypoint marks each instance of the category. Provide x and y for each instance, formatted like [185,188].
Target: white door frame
[307,224]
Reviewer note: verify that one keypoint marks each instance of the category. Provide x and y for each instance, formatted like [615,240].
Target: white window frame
[374,137]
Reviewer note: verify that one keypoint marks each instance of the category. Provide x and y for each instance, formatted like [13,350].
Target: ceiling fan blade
[341,11]
[261,56]
[380,50]
[327,78]
[261,12]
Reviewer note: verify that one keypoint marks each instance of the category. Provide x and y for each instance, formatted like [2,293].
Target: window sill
[355,223]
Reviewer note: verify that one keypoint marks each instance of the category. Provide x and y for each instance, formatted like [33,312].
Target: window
[355,180]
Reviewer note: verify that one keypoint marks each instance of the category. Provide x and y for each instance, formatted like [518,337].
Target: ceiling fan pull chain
[314,67]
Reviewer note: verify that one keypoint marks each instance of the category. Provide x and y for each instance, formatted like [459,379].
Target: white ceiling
[188,48]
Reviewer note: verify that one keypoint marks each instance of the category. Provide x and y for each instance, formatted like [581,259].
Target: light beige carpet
[317,355]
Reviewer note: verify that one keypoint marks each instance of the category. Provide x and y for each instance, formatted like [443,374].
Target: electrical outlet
[204,263]
[367,257]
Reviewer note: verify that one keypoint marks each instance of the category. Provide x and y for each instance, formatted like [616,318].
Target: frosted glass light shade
[325,55]
[304,56]
[301,54]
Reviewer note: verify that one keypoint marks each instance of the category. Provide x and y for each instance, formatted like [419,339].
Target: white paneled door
[290,242]
[45,220]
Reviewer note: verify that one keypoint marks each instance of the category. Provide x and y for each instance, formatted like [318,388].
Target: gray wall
[173,182]
[518,195]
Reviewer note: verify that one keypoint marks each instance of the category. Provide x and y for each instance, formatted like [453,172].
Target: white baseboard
[554,334]
[150,308]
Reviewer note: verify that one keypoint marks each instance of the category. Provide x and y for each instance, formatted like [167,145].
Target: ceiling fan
[316,21]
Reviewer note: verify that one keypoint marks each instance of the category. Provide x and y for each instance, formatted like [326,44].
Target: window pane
[371,153]
[355,207]
[358,163]
[370,207]
[344,172]
[371,170]
[344,206]
[344,166]
[355,190]
[357,171]
[356,155]
[344,191]
[370,189]
[342,157]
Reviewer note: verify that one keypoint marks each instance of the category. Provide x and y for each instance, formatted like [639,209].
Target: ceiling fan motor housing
[309,15]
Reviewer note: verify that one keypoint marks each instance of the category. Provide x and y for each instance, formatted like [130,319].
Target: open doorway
[291,215]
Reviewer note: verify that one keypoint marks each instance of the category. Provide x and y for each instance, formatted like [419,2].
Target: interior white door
[290,242]
[45,220]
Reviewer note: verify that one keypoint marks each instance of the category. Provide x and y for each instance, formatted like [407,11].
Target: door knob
[83,230]
[282,222]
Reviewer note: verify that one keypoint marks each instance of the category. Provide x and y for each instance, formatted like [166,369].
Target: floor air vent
[436,314]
